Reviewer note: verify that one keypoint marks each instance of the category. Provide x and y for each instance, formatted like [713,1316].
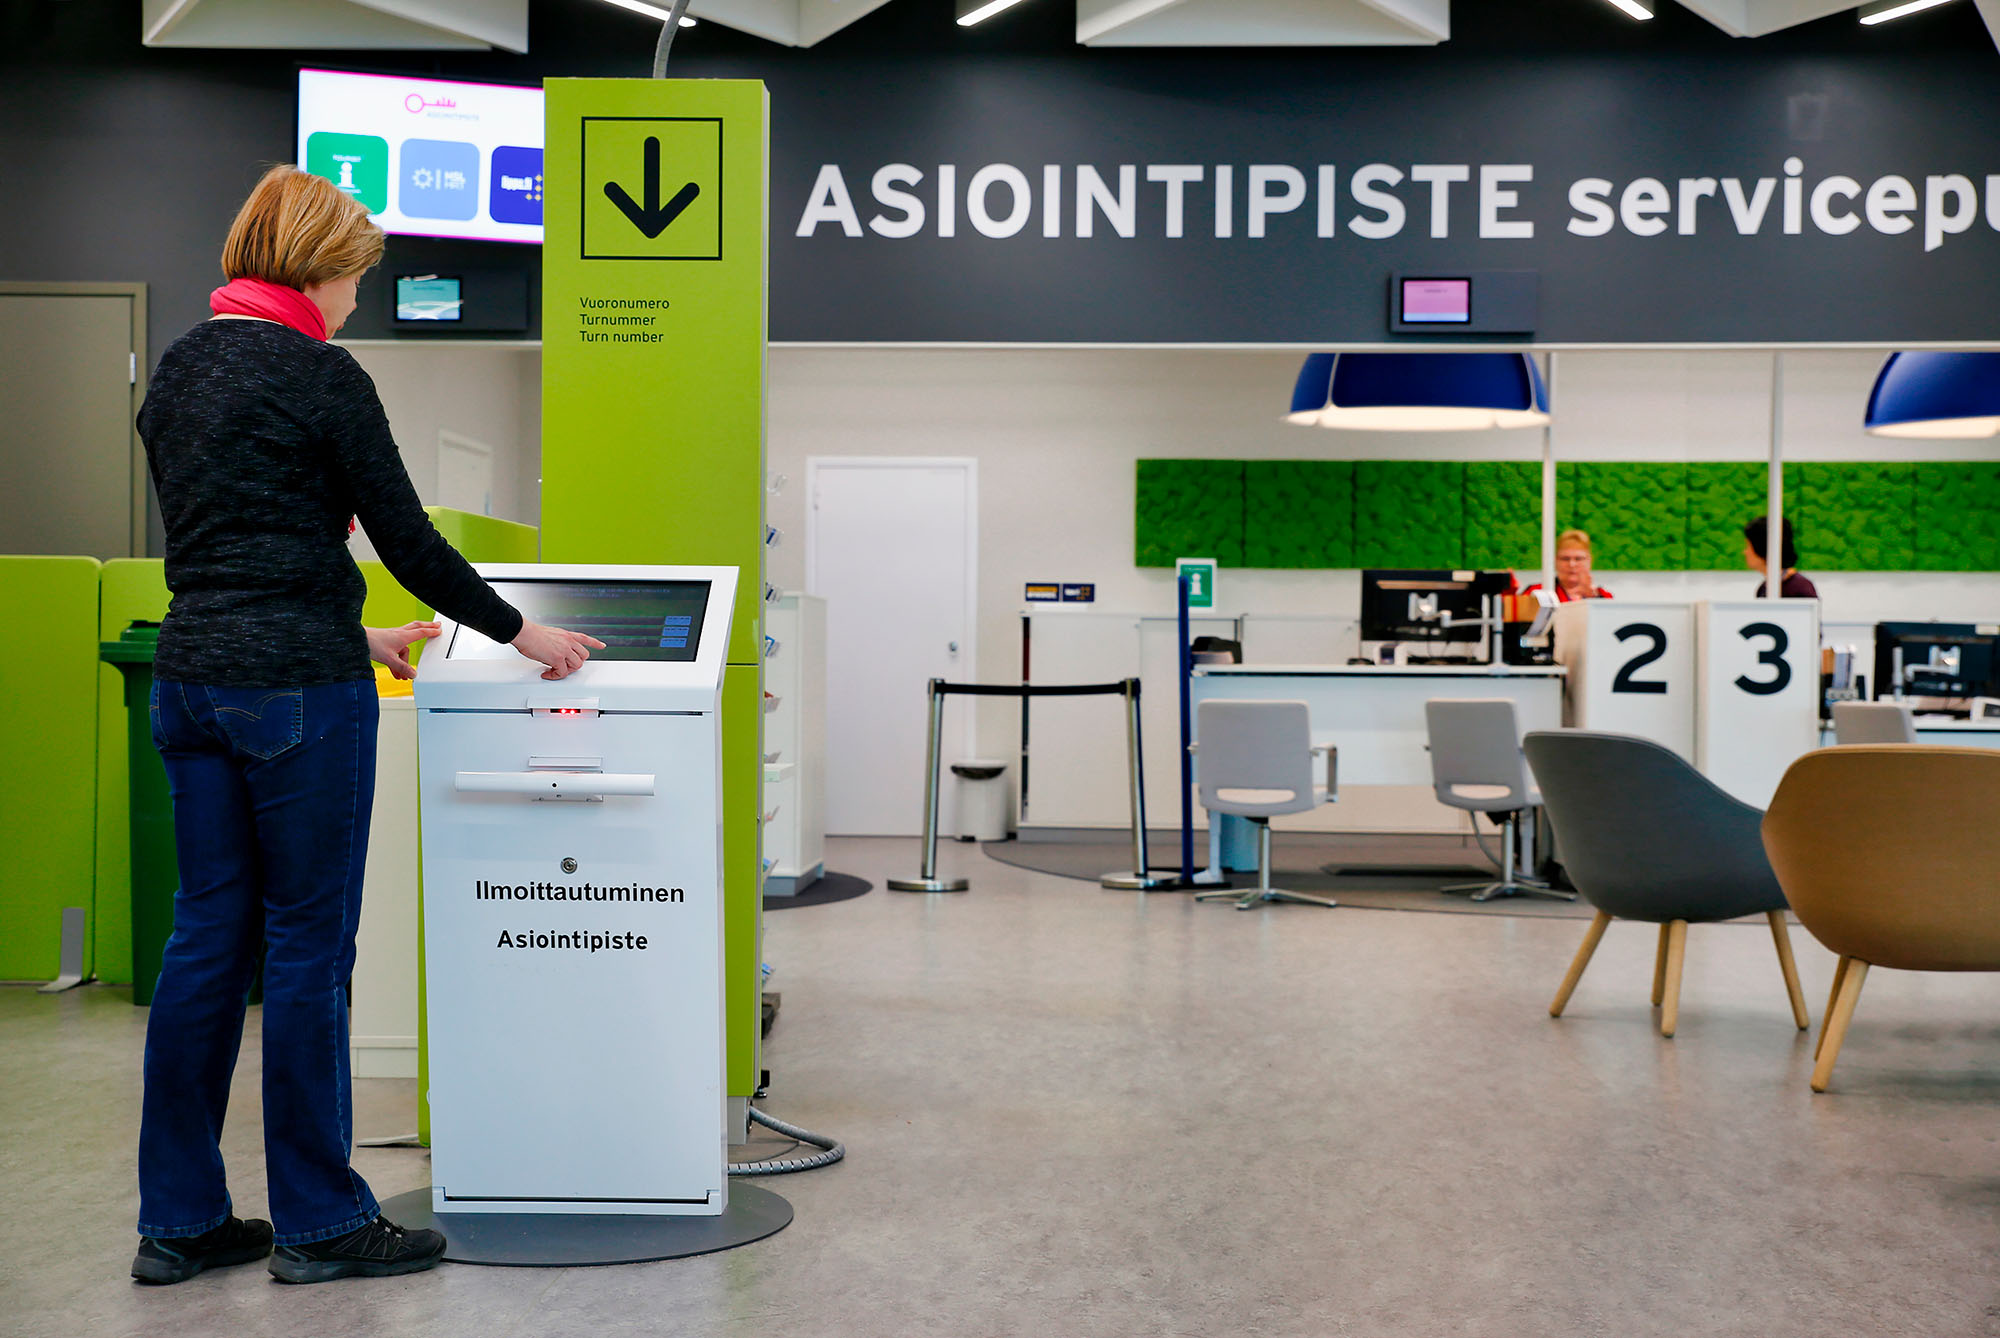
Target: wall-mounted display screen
[636,620]
[1437,301]
[429,297]
[428,157]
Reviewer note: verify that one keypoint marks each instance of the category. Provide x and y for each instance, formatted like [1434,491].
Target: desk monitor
[1950,660]
[1405,605]
[636,620]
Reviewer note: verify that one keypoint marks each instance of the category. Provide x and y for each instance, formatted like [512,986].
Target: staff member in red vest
[1573,576]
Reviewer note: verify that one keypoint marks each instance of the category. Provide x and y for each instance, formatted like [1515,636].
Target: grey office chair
[1647,837]
[1476,765]
[1255,760]
[1873,722]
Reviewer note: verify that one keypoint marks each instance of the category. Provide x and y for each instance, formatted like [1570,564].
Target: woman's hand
[563,652]
[391,645]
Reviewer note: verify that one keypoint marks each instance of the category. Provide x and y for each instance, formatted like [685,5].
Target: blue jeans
[272,793]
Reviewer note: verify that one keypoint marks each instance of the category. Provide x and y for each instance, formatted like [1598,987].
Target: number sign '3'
[1759,671]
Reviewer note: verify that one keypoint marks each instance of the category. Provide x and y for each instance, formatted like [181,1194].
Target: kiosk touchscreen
[572,900]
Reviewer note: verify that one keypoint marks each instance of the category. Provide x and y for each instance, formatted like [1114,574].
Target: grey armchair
[1647,837]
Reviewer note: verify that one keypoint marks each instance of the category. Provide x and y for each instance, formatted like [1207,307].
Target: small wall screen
[1437,301]
[429,297]
[636,620]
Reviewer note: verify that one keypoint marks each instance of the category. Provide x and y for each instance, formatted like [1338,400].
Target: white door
[465,473]
[891,545]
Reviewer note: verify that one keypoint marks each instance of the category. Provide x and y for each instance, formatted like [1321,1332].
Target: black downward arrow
[652,218]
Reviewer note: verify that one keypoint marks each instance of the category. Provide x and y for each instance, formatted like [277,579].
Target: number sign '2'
[1630,668]
[1759,679]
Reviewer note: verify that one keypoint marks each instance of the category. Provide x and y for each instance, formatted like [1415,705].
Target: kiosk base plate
[579,1240]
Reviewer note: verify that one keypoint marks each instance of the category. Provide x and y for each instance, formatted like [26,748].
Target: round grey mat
[579,1240]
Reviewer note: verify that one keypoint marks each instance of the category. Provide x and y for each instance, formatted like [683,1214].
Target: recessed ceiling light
[977,11]
[1638,9]
[650,11]
[1895,9]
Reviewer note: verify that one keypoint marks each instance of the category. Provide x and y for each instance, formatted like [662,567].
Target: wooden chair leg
[1835,1029]
[1591,938]
[1782,936]
[1660,969]
[1833,997]
[1670,1006]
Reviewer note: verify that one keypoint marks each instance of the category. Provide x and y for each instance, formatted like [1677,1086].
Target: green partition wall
[48,733]
[487,538]
[1641,515]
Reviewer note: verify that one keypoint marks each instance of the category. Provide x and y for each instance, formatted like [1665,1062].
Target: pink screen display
[1437,300]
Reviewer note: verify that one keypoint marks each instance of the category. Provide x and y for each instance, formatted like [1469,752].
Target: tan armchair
[1888,855]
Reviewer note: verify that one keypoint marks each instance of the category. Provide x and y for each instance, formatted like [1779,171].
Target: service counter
[1374,714]
[1944,732]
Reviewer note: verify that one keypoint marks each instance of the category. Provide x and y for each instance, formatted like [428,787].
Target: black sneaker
[379,1250]
[178,1258]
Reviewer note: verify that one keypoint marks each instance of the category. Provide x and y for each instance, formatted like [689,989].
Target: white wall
[1056,434]
[491,395]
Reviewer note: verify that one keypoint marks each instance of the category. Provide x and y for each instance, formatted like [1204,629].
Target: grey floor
[1078,1112]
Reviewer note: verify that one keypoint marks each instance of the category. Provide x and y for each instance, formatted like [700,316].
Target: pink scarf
[271,302]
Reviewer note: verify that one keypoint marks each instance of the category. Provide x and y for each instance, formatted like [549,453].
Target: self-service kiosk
[572,857]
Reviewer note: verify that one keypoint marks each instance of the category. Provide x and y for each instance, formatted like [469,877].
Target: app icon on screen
[516,193]
[438,178]
[358,164]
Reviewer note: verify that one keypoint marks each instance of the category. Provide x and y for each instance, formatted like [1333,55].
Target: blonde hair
[298,230]
[1572,539]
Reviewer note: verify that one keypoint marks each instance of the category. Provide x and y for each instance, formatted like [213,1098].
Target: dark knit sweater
[263,442]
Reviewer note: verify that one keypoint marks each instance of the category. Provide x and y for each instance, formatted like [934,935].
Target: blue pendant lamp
[1936,395]
[1419,392]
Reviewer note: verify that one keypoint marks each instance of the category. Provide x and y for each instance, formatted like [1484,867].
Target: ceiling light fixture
[978,11]
[1895,9]
[1419,392]
[1937,395]
[650,11]
[1638,9]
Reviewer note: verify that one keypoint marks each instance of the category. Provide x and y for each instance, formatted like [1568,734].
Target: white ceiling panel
[792,22]
[1216,23]
[426,25]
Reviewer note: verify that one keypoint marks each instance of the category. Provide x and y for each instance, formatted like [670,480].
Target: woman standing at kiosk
[264,440]
[1573,576]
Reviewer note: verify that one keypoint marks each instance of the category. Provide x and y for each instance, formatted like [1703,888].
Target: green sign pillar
[653,334]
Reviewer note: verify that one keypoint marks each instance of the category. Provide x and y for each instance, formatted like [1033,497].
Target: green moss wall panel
[1409,513]
[1955,516]
[1503,514]
[1722,498]
[1635,513]
[48,791]
[1298,513]
[1188,508]
[1854,515]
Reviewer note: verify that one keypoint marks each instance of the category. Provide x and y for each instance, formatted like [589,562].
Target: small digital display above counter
[1437,301]
[636,620]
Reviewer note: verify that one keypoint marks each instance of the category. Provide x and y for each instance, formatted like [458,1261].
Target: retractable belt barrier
[938,690]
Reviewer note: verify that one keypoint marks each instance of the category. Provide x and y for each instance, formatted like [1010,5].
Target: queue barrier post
[927,880]
[1138,879]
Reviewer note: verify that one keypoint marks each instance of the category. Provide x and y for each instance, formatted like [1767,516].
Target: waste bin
[155,875]
[985,801]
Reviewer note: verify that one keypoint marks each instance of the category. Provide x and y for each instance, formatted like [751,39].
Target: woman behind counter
[1756,547]
[1573,575]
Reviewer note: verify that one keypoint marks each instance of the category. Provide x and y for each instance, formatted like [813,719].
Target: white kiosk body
[572,855]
